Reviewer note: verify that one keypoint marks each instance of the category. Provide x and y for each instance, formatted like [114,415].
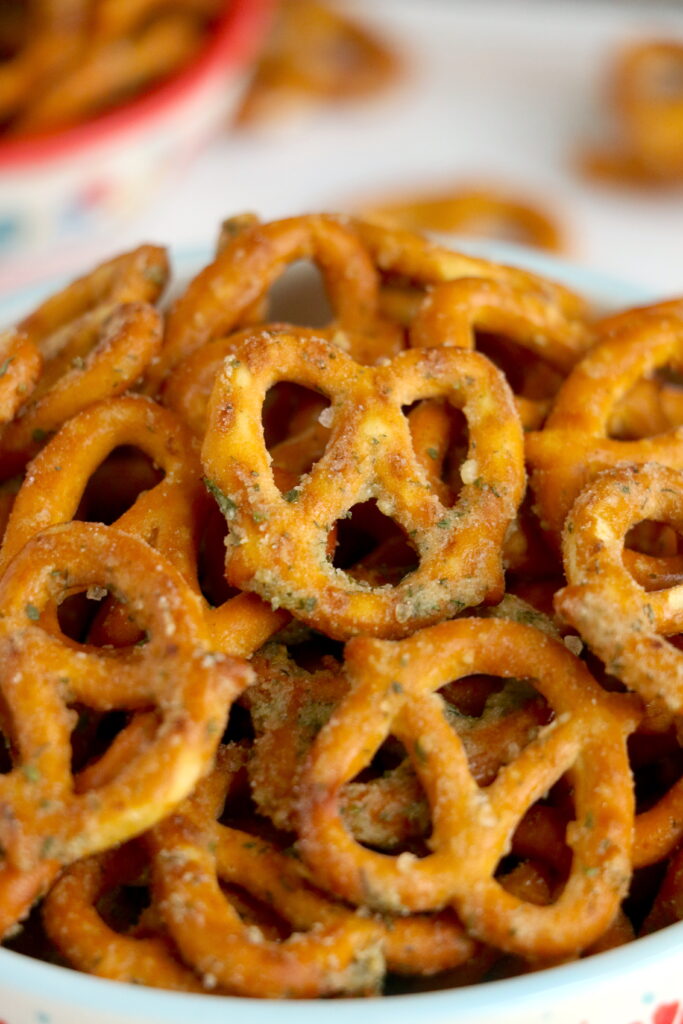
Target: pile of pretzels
[338,659]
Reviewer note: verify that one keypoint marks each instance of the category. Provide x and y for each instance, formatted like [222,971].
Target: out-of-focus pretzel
[646,93]
[175,671]
[473,212]
[96,337]
[244,270]
[315,54]
[421,262]
[20,367]
[393,691]
[73,923]
[192,853]
[574,444]
[278,543]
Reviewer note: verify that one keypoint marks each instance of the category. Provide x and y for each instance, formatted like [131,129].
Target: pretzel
[647,104]
[168,516]
[96,336]
[315,54]
[369,455]
[191,852]
[175,671]
[573,446]
[20,366]
[73,923]
[242,273]
[628,635]
[422,263]
[471,211]
[451,312]
[586,739]
[289,706]
[106,72]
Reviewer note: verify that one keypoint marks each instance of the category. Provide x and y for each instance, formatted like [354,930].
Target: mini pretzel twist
[277,543]
[574,445]
[96,337]
[175,672]
[168,516]
[247,266]
[394,692]
[192,853]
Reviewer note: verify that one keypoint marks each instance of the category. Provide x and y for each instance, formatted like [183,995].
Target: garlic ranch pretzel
[574,444]
[394,692]
[169,516]
[174,672]
[95,337]
[277,543]
[245,269]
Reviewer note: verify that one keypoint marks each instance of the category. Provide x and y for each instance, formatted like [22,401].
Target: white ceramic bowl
[63,186]
[635,984]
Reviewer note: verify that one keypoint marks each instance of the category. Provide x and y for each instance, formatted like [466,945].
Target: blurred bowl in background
[59,186]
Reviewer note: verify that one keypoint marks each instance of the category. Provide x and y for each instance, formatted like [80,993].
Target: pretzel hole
[83,617]
[654,405]
[93,734]
[495,719]
[657,762]
[211,558]
[385,805]
[371,546]
[440,439]
[261,919]
[527,374]
[299,296]
[116,484]
[657,541]
[296,430]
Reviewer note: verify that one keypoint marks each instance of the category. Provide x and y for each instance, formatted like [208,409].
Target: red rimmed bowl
[60,186]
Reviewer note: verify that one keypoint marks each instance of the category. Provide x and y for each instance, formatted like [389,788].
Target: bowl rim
[231,44]
[475,1004]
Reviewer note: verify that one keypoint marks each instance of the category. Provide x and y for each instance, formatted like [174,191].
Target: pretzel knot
[219,297]
[332,950]
[574,446]
[174,673]
[393,691]
[277,543]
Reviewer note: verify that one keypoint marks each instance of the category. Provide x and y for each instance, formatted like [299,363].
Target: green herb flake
[293,495]
[5,366]
[39,435]
[225,504]
[433,453]
[31,772]
[32,612]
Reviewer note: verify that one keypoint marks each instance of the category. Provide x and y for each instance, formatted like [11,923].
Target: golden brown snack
[391,694]
[277,544]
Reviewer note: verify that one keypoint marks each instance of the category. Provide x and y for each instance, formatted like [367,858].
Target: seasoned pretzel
[175,671]
[646,92]
[423,263]
[192,852]
[215,301]
[168,516]
[96,337]
[393,691]
[471,211]
[73,923]
[451,313]
[573,446]
[20,367]
[621,622]
[289,706]
[277,543]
